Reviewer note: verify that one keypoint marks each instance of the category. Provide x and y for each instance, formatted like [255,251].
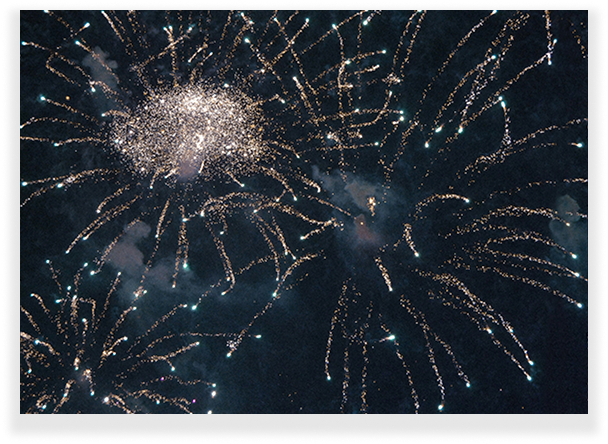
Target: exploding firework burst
[206,146]
[462,228]
[422,167]
[82,353]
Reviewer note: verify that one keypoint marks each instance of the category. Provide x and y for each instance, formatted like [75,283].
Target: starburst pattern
[81,354]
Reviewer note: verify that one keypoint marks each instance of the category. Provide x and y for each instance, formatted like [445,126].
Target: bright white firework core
[187,132]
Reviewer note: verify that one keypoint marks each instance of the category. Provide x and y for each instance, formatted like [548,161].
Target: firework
[463,229]
[82,353]
[191,149]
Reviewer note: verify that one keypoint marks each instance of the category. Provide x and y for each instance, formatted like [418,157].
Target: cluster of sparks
[193,132]
[205,138]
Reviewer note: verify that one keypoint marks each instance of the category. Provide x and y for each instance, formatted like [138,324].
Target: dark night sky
[283,372]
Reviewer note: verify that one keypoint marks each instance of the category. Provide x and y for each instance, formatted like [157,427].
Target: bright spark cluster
[194,131]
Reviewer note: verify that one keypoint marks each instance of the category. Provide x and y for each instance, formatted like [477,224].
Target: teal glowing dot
[468,385]
[92,393]
[426,145]
[23,43]
[157,402]
[460,130]
[391,338]
[489,330]
[185,266]
[440,407]
[172,369]
[258,336]
[580,145]
[531,363]
[574,256]
[57,301]
[302,238]
[194,307]
[228,355]
[274,295]
[77,42]
[579,305]
[529,378]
